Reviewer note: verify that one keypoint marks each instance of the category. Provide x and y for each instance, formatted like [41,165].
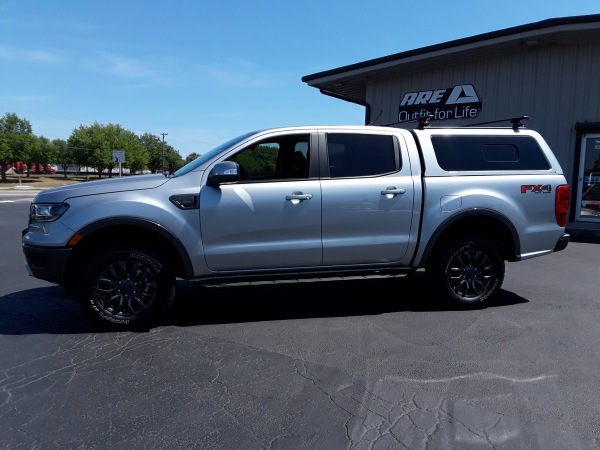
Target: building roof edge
[535,26]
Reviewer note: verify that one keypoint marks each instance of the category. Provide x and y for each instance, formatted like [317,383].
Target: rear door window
[360,155]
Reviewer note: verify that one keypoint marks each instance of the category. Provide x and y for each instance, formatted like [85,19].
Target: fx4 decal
[537,188]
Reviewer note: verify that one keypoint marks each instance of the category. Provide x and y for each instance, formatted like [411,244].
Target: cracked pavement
[177,388]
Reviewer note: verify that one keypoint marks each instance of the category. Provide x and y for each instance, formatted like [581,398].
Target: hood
[129,183]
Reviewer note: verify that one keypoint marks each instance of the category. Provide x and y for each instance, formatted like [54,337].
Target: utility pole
[163,150]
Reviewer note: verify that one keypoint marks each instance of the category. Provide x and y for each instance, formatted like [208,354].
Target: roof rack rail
[423,121]
[516,122]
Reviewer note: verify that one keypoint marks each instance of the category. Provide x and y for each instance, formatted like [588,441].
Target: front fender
[118,223]
[147,209]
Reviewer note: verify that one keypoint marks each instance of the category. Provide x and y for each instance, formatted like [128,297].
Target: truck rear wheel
[126,287]
[467,272]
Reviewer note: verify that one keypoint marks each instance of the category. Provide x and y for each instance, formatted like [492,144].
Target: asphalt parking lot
[359,363]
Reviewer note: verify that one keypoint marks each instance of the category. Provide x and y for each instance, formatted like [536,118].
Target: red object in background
[42,168]
[18,166]
[22,167]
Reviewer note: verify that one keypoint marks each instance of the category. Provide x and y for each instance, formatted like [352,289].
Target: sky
[203,72]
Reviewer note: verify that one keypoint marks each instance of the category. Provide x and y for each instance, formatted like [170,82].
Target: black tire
[467,272]
[126,287]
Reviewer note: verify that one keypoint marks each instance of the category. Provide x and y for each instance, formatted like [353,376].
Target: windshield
[210,154]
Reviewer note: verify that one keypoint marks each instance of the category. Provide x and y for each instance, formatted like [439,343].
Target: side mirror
[224,172]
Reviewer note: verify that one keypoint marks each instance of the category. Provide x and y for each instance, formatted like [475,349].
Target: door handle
[392,191]
[298,197]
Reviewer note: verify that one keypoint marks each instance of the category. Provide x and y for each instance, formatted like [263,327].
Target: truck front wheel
[126,287]
[467,272]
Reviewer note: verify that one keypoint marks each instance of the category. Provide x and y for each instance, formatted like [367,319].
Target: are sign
[456,102]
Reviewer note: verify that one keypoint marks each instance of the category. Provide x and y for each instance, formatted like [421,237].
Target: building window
[588,188]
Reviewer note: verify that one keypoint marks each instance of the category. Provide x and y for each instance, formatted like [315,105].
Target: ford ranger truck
[304,202]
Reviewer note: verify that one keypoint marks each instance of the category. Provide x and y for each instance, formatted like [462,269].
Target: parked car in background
[18,167]
[83,170]
[42,168]
[21,167]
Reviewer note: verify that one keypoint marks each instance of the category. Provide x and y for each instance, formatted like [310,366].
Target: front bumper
[562,243]
[46,263]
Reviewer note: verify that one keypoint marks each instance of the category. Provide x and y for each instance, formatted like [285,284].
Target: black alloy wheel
[467,272]
[127,287]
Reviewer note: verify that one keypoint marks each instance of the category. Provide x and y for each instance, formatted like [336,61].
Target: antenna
[376,118]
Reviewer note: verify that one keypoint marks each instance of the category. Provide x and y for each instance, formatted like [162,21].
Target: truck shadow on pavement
[45,310]
[204,305]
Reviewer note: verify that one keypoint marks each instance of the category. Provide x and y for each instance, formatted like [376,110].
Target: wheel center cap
[470,272]
[127,288]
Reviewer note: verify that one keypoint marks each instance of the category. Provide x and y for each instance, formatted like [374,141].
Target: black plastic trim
[295,274]
[475,212]
[185,201]
[150,225]
[562,243]
[47,263]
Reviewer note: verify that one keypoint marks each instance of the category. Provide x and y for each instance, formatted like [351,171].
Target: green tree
[16,135]
[11,123]
[5,155]
[260,160]
[136,155]
[173,159]
[192,156]
[88,142]
[160,154]
[154,148]
[65,155]
[94,145]
[39,153]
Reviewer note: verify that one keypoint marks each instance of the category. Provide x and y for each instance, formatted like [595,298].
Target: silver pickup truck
[306,201]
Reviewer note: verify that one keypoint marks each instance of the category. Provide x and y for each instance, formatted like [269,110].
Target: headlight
[46,212]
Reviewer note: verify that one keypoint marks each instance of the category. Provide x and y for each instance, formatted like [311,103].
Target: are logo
[457,102]
[464,93]
[536,188]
